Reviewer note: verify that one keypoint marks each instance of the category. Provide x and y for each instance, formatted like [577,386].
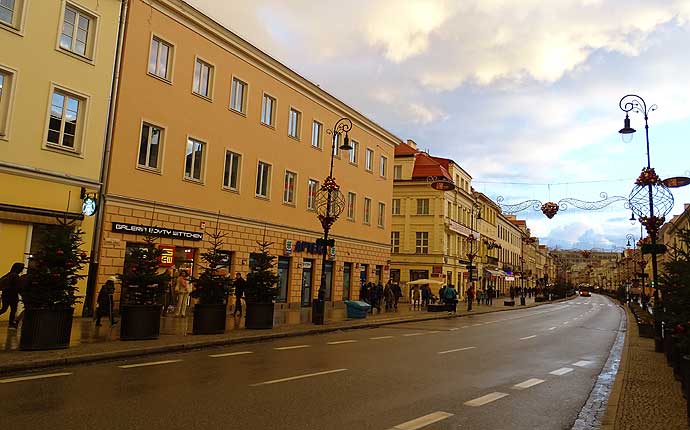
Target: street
[522,369]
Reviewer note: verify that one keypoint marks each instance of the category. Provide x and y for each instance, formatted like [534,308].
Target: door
[307,274]
[329,280]
[283,278]
[347,279]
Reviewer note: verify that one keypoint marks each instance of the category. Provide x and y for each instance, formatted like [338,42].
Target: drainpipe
[92,278]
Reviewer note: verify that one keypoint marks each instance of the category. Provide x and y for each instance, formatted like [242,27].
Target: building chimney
[411,143]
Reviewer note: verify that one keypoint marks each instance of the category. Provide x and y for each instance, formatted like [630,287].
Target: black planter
[685,374]
[668,345]
[44,328]
[140,322]
[509,303]
[259,316]
[209,319]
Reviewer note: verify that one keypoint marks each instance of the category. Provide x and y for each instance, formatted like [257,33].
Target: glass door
[307,275]
[347,279]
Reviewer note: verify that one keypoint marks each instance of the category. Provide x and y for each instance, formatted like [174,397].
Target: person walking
[240,284]
[416,296]
[426,295]
[397,294]
[388,296]
[105,301]
[492,292]
[182,288]
[9,284]
[451,299]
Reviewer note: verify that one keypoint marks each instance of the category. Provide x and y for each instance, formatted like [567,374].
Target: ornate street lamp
[330,203]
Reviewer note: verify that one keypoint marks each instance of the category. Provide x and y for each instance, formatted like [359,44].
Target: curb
[609,421]
[192,345]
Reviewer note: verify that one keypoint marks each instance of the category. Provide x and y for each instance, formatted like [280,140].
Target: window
[336,146]
[263,178]
[367,210]
[395,242]
[194,160]
[203,78]
[150,146]
[65,115]
[316,133]
[312,188]
[267,110]
[381,214]
[5,92]
[353,151]
[159,58]
[231,173]
[422,242]
[238,96]
[395,207]
[294,123]
[10,11]
[76,33]
[383,166]
[351,205]
[369,160]
[289,187]
[397,172]
[422,206]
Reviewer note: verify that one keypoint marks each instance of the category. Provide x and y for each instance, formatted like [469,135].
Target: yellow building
[56,68]
[208,126]
[510,240]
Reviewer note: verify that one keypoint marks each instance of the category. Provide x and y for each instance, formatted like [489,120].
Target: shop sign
[461,229]
[310,247]
[121,227]
[306,264]
[167,256]
[331,253]
[288,247]
[436,269]
[510,278]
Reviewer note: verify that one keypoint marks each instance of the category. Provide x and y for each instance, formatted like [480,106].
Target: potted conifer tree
[49,289]
[212,288]
[261,289]
[142,289]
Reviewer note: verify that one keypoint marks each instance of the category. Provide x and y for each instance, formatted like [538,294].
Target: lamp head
[628,244]
[632,218]
[626,132]
[346,143]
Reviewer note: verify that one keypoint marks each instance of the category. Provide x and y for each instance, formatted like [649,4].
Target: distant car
[585,294]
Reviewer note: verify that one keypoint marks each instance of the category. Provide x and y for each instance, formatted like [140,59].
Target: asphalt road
[522,369]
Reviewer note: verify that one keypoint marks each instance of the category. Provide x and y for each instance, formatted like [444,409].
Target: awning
[495,272]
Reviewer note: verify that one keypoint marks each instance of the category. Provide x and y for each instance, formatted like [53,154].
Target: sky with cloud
[523,94]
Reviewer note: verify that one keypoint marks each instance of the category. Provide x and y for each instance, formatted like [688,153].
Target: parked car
[585,294]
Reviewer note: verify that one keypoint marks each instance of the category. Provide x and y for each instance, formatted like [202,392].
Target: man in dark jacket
[105,301]
[9,284]
[239,283]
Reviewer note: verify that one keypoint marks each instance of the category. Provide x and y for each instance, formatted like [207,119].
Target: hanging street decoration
[676,181]
[550,209]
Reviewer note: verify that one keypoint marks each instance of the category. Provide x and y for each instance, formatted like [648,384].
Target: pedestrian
[426,295]
[397,294]
[105,301]
[373,299]
[388,296]
[451,299]
[379,295]
[491,296]
[182,288]
[416,296]
[441,293]
[9,285]
[470,297]
[364,293]
[240,284]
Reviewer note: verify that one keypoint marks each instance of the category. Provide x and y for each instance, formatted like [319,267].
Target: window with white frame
[383,166]
[150,146]
[66,113]
[6,78]
[194,160]
[422,206]
[294,123]
[353,151]
[381,219]
[351,205]
[395,242]
[289,187]
[231,172]
[336,146]
[395,207]
[422,242]
[312,188]
[263,179]
[397,172]
[159,58]
[369,160]
[76,34]
[316,134]
[268,110]
[10,12]
[238,96]
[203,78]
[367,210]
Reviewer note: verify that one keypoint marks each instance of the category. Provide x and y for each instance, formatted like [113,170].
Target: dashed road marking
[528,337]
[465,326]
[491,397]
[292,378]
[31,378]
[151,363]
[475,325]
[283,348]
[414,334]
[562,371]
[528,383]
[456,350]
[583,363]
[433,332]
[381,337]
[454,328]
[424,421]
[566,322]
[230,354]
[339,342]
[552,328]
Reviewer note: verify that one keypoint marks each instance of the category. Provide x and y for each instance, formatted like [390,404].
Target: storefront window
[347,279]
[379,272]
[283,278]
[329,280]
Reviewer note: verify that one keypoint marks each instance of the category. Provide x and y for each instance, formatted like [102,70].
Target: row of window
[160,65]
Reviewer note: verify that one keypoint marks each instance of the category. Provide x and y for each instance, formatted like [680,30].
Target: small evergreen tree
[212,286]
[261,279]
[55,269]
[674,283]
[141,282]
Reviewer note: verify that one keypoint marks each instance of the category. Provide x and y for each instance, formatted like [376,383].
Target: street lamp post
[476,209]
[330,203]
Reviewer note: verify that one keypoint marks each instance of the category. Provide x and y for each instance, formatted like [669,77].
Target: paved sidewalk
[90,343]
[645,395]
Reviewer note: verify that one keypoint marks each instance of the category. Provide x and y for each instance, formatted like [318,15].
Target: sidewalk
[89,343]
[645,395]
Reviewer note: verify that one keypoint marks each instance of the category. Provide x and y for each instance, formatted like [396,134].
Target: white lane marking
[292,378]
[413,334]
[456,350]
[566,322]
[583,363]
[433,332]
[424,421]
[151,363]
[528,337]
[381,337]
[454,328]
[479,401]
[338,342]
[562,371]
[528,383]
[283,348]
[475,325]
[230,354]
[552,328]
[31,378]
[465,326]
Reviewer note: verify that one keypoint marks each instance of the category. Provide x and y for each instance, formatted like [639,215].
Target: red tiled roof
[426,165]
[403,149]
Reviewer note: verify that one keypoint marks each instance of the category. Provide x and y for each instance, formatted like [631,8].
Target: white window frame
[421,242]
[354,152]
[161,140]
[289,197]
[211,78]
[381,218]
[7,100]
[395,242]
[311,196]
[169,62]
[383,166]
[17,23]
[272,116]
[202,164]
[351,208]
[369,160]
[336,148]
[295,125]
[397,171]
[258,184]
[226,166]
[91,35]
[367,211]
[234,82]
[316,136]
[395,206]
[428,211]
[82,121]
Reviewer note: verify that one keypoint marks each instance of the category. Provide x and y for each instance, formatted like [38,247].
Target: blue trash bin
[357,309]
